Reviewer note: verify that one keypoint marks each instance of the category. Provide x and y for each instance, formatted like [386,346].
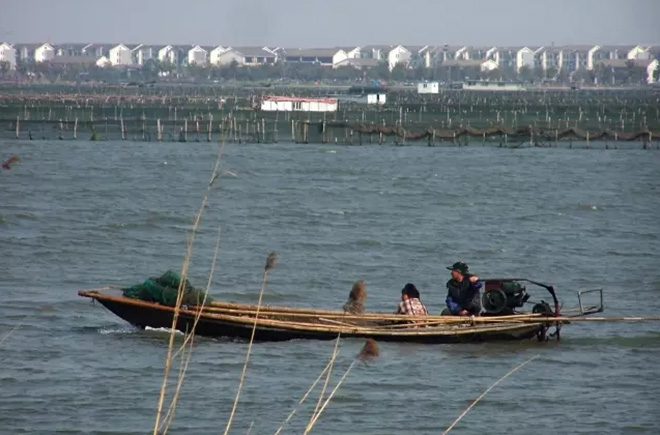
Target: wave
[118,330]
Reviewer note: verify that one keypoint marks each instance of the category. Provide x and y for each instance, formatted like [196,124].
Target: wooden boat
[222,319]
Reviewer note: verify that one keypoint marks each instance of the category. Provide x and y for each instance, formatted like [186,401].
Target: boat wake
[162,330]
[118,330]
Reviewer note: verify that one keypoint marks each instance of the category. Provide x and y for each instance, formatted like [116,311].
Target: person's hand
[474,278]
[463,313]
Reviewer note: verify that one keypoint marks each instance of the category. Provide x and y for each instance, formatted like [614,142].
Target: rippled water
[77,215]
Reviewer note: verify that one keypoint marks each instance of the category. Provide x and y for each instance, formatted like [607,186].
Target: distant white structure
[44,53]
[103,62]
[320,56]
[476,85]
[398,55]
[294,104]
[167,54]
[8,54]
[525,58]
[650,71]
[197,56]
[246,56]
[489,65]
[144,53]
[428,88]
[214,55]
[120,55]
[378,99]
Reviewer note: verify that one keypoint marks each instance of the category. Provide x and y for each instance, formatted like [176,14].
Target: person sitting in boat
[410,303]
[463,296]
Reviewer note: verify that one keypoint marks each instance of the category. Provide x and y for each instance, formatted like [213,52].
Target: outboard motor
[503,297]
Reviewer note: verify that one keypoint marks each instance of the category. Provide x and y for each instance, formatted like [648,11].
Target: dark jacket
[464,295]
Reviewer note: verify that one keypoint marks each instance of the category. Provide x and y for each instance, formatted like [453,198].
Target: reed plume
[354,305]
[10,161]
[356,298]
[368,352]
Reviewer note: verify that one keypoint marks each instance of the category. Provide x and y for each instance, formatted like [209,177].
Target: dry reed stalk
[270,264]
[189,338]
[182,373]
[512,371]
[368,352]
[11,331]
[184,273]
[355,304]
[206,294]
[309,390]
[327,378]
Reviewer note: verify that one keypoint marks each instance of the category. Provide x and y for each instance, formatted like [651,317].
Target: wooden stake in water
[263,130]
[18,126]
[159,131]
[75,128]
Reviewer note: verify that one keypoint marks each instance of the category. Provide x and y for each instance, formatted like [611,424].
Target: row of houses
[568,58]
[134,54]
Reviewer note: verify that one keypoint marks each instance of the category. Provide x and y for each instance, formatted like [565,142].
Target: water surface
[77,215]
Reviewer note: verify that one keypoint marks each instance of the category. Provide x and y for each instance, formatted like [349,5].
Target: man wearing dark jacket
[463,297]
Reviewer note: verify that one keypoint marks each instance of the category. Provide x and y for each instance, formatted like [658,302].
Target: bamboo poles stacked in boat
[380,321]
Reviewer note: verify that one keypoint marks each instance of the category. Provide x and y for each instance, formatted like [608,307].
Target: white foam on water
[118,330]
[167,330]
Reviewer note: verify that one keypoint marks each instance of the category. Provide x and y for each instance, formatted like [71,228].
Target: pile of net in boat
[164,290]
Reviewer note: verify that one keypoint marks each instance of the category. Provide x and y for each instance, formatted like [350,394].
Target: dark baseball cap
[461,267]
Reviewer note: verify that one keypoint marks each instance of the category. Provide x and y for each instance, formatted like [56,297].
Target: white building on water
[296,104]
[428,88]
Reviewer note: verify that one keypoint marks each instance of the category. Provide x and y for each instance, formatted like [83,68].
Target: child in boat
[410,303]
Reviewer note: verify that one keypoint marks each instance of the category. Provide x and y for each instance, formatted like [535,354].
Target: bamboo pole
[281,312]
[247,309]
[75,128]
[18,126]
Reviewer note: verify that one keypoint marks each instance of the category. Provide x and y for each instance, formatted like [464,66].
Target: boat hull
[145,314]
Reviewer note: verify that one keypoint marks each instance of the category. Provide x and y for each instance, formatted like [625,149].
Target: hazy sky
[324,23]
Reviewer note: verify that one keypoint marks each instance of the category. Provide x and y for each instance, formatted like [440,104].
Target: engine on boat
[503,297]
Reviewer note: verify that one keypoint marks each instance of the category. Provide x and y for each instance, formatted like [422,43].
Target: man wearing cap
[463,298]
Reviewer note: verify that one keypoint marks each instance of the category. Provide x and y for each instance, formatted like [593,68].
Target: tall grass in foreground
[355,305]
[184,274]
